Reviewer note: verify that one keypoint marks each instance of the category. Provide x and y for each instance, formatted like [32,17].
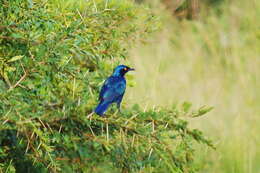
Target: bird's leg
[103,116]
[119,107]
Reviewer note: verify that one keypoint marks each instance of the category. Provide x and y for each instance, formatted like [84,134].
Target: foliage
[54,56]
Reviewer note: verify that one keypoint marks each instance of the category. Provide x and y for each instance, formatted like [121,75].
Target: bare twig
[80,15]
[18,82]
[42,123]
[91,131]
[7,27]
[107,132]
[90,115]
[60,128]
[23,40]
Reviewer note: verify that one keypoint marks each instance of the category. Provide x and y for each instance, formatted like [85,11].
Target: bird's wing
[103,89]
[113,88]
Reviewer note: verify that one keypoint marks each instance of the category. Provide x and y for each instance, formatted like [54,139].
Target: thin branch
[7,27]
[80,15]
[18,82]
[23,40]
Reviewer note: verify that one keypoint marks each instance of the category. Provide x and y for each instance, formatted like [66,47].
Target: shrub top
[54,56]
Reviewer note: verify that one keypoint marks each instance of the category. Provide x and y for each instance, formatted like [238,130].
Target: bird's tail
[101,108]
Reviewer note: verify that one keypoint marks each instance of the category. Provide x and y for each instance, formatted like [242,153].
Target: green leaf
[186,106]
[10,69]
[16,35]
[203,110]
[15,58]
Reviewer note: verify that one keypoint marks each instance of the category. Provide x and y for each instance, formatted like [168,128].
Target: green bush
[54,56]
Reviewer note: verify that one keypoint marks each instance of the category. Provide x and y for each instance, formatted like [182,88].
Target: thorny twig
[18,82]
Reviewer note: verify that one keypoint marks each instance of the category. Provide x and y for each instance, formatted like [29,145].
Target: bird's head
[121,70]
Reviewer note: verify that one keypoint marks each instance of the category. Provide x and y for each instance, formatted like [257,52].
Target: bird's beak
[131,69]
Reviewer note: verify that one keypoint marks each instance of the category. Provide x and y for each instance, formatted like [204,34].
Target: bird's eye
[125,69]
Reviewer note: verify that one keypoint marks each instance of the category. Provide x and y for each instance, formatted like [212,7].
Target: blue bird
[113,89]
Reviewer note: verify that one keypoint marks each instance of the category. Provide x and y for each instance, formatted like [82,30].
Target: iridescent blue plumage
[113,89]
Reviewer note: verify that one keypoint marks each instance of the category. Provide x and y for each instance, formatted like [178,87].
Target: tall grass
[214,60]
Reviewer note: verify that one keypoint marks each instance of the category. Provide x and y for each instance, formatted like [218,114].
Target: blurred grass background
[215,61]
